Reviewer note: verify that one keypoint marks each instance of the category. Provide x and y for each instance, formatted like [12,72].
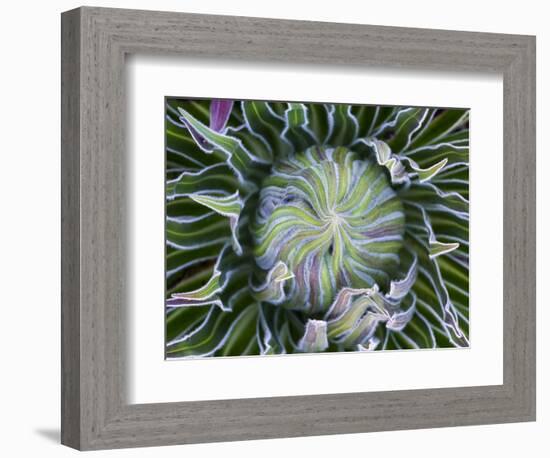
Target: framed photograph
[278,228]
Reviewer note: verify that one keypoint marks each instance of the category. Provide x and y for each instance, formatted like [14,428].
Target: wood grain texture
[95,413]
[70,229]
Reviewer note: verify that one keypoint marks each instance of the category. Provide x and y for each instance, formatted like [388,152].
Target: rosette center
[332,217]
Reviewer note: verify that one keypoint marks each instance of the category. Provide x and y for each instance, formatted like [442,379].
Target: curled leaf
[272,290]
[315,337]
[229,206]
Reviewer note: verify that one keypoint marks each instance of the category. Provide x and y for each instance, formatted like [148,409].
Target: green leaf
[344,125]
[432,198]
[366,116]
[428,155]
[182,320]
[442,125]
[205,295]
[405,124]
[386,158]
[297,129]
[399,288]
[190,280]
[426,174]
[383,116]
[430,286]
[216,178]
[318,116]
[208,337]
[229,206]
[243,162]
[243,336]
[439,248]
[272,333]
[179,260]
[262,121]
[272,289]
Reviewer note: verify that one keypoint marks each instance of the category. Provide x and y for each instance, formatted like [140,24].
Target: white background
[29,229]
[150,79]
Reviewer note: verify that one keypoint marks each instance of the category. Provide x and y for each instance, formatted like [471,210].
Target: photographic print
[302,227]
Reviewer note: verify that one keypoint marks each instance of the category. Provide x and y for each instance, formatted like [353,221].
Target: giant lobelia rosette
[303,227]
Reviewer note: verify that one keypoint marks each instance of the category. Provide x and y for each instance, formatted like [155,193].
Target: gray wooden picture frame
[95,412]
